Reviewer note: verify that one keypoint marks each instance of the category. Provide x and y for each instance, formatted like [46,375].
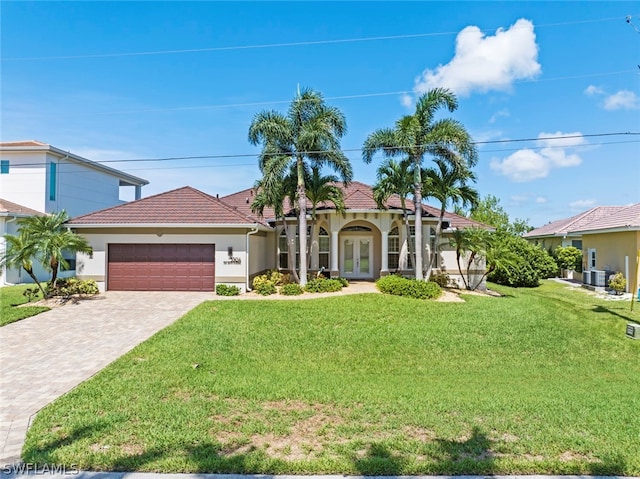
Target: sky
[120,82]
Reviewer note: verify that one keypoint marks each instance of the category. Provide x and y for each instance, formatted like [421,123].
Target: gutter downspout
[254,231]
[4,266]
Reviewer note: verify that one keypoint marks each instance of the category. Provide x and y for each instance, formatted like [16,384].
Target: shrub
[227,290]
[323,285]
[291,289]
[31,294]
[411,288]
[618,283]
[442,279]
[263,285]
[67,287]
[344,282]
[531,263]
[568,257]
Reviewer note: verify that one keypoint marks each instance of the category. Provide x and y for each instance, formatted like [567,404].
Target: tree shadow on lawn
[471,455]
[602,309]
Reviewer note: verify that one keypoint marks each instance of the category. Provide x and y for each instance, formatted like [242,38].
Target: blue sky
[124,80]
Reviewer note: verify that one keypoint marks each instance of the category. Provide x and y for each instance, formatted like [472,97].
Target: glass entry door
[357,260]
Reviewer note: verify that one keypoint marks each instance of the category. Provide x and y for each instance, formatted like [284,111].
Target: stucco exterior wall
[227,272]
[25,183]
[262,252]
[611,250]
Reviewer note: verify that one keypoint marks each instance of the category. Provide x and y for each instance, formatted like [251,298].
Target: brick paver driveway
[45,356]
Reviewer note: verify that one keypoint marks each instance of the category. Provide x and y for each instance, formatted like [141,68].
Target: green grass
[538,381]
[10,298]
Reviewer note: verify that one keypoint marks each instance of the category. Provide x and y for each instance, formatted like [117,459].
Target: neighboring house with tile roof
[185,239]
[45,178]
[609,237]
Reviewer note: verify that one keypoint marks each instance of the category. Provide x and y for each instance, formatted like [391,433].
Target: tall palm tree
[272,191]
[420,134]
[19,253]
[447,182]
[308,135]
[395,178]
[322,189]
[49,237]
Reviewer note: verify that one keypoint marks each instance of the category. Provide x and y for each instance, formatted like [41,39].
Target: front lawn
[539,381]
[10,298]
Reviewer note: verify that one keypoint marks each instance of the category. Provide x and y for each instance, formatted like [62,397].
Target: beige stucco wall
[95,267]
[611,250]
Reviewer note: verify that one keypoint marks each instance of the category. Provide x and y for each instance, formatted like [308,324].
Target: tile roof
[181,206]
[575,223]
[623,217]
[14,208]
[357,196]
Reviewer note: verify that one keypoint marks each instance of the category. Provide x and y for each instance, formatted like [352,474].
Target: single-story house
[185,239]
[609,237]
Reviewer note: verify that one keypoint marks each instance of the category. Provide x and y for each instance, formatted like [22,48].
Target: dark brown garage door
[161,267]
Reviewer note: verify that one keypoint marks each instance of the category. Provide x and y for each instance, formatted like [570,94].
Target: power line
[353,150]
[281,45]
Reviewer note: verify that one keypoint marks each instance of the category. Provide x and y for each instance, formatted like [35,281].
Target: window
[323,249]
[283,249]
[576,244]
[53,167]
[432,243]
[393,249]
[356,228]
[4,167]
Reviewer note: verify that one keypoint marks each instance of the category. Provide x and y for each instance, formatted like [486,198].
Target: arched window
[393,249]
[323,249]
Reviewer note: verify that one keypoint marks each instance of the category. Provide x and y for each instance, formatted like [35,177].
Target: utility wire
[280,45]
[352,150]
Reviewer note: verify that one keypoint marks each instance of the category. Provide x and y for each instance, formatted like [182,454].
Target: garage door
[161,267]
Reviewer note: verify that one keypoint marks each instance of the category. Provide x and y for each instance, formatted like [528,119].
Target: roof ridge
[233,209]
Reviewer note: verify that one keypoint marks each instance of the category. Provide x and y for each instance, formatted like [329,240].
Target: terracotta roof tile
[622,217]
[357,196]
[184,205]
[574,223]
[14,208]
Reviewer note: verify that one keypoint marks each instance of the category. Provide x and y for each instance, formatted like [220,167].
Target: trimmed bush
[532,263]
[227,290]
[344,282]
[441,279]
[568,257]
[411,288]
[67,287]
[264,286]
[618,283]
[291,289]
[323,285]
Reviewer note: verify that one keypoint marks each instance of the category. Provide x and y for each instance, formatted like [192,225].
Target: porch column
[384,269]
[335,271]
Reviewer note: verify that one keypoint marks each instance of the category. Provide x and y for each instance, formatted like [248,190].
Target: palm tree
[395,178]
[322,189]
[19,253]
[308,135]
[272,190]
[420,134]
[50,238]
[447,182]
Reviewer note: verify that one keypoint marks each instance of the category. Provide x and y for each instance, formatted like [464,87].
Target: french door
[356,257]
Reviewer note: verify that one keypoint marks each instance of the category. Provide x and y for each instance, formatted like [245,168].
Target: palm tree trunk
[302,222]
[35,280]
[412,254]
[54,273]
[291,248]
[436,242]
[418,222]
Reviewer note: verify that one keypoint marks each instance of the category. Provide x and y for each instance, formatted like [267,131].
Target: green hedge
[227,290]
[411,288]
[291,289]
[323,285]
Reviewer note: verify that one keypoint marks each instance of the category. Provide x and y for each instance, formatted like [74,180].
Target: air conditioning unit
[633,331]
[586,277]
[599,278]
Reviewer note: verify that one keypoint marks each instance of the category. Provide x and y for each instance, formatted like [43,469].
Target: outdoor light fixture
[230,251]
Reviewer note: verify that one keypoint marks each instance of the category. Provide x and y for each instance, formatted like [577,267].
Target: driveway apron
[47,355]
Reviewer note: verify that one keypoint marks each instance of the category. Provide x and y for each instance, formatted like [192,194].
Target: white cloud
[528,165]
[582,204]
[623,100]
[593,90]
[406,100]
[502,113]
[541,200]
[483,63]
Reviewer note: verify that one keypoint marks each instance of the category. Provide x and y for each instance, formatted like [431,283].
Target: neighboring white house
[185,239]
[47,179]
[37,178]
